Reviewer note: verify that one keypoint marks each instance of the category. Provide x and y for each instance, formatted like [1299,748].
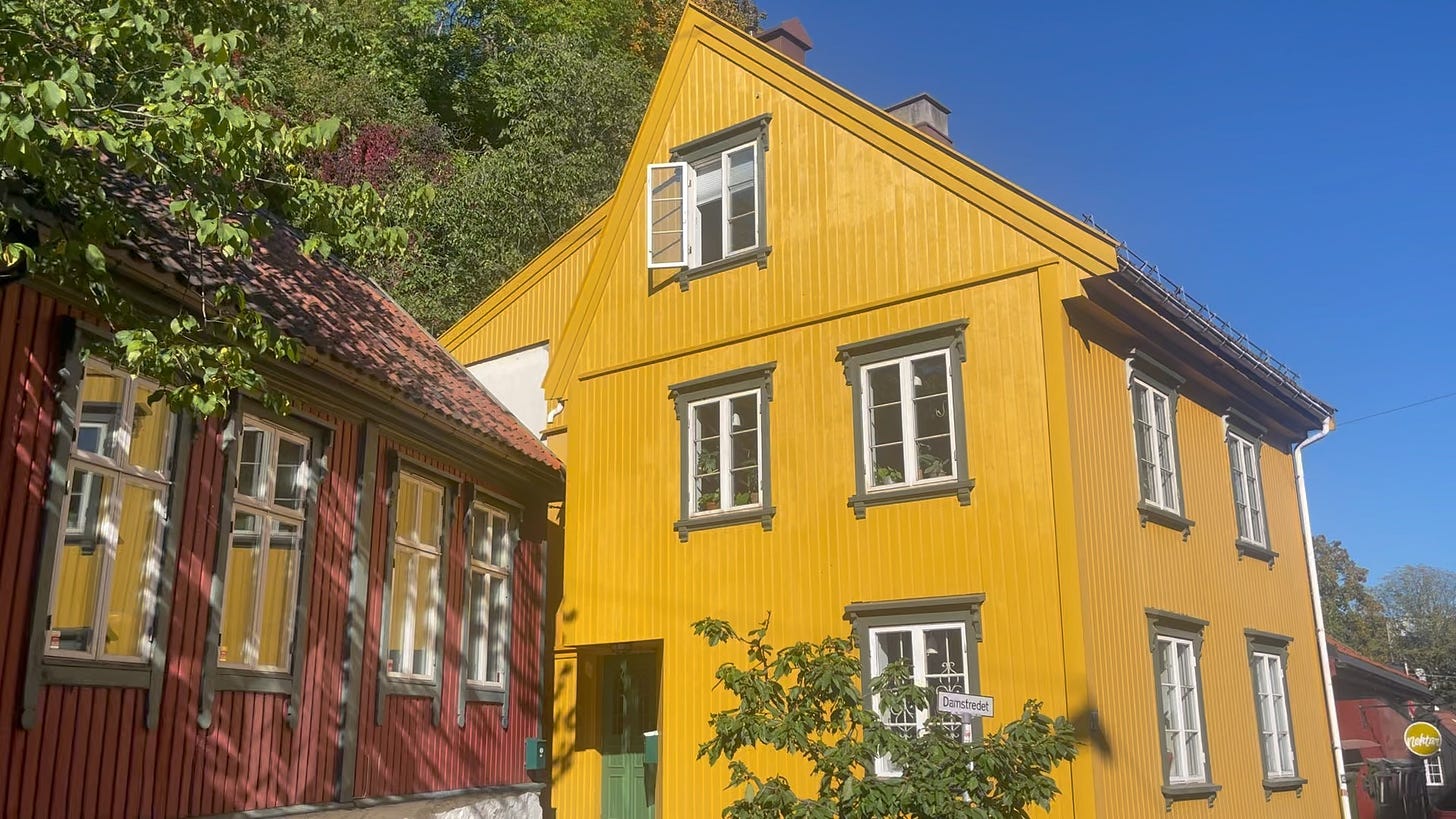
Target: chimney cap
[923,95]
[793,30]
[924,113]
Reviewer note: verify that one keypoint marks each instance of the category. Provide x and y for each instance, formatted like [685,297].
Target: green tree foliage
[520,113]
[805,701]
[1420,606]
[92,95]
[1353,615]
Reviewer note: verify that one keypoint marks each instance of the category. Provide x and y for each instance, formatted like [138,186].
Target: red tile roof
[335,311]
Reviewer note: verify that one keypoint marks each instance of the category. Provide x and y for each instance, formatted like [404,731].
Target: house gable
[863,185]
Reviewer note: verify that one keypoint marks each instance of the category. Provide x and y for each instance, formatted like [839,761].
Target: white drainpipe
[1319,614]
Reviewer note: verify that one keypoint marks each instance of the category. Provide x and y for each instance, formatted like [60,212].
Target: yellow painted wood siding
[1128,568]
[627,577]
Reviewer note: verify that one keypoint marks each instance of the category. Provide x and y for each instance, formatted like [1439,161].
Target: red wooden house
[212,616]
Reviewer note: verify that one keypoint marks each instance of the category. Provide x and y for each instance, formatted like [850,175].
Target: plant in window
[888,474]
[805,700]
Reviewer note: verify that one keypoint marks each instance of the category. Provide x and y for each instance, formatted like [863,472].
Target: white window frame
[121,472]
[484,514]
[1275,732]
[695,245]
[910,451]
[267,510]
[1144,414]
[726,502]
[1435,772]
[1190,771]
[883,765]
[407,547]
[685,222]
[1248,482]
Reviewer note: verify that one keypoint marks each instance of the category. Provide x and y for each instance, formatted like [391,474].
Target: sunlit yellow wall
[1128,568]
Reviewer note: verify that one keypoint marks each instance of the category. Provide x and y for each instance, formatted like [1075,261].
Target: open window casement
[669,187]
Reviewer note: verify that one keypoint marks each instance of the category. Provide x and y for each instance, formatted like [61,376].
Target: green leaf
[51,94]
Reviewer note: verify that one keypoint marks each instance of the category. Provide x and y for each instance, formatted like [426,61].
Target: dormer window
[705,209]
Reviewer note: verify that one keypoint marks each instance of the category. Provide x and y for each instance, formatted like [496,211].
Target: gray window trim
[960,608]
[41,670]
[751,130]
[1163,623]
[1144,367]
[1265,642]
[468,691]
[1238,424]
[760,378]
[949,335]
[216,678]
[387,686]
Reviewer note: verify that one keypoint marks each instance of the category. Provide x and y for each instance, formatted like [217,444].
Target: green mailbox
[650,744]
[536,754]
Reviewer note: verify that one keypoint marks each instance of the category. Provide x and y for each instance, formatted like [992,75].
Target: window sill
[95,673]
[474,693]
[1254,550]
[960,489]
[403,688]
[739,259]
[1282,784]
[1163,517]
[1189,793]
[241,679]
[763,515]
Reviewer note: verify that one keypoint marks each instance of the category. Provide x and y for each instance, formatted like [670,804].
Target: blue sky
[1292,164]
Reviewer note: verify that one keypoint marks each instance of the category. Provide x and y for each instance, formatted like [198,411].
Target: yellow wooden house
[811,360]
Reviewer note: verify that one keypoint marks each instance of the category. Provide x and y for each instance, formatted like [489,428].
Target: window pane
[401,594]
[151,429]
[79,564]
[742,200]
[707,457]
[500,541]
[476,645]
[1168,495]
[945,660]
[743,417]
[100,423]
[709,186]
[666,213]
[406,508]
[890,646]
[886,427]
[496,658]
[133,573]
[432,501]
[236,641]
[291,481]
[252,463]
[1143,438]
[280,579]
[423,637]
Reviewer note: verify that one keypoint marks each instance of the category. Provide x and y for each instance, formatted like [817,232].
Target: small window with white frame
[492,546]
[1244,448]
[937,640]
[414,581]
[104,593]
[1272,703]
[1435,773]
[264,556]
[705,208]
[725,447]
[1154,394]
[1177,643]
[909,429]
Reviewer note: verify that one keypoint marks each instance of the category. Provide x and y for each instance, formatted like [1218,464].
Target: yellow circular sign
[1423,739]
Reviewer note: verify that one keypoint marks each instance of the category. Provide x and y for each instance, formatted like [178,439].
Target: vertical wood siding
[1128,567]
[89,754]
[409,753]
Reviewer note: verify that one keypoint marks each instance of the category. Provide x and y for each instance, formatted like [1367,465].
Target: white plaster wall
[515,380]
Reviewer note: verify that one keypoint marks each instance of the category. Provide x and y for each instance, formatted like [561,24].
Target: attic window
[705,209]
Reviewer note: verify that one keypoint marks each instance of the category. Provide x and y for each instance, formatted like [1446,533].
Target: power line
[1422,402]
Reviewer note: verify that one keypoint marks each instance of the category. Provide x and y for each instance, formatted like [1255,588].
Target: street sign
[1423,739]
[966,706]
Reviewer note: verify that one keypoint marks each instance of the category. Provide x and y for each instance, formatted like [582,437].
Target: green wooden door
[629,707]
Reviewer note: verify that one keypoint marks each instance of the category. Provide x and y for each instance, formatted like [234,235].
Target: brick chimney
[926,114]
[789,38]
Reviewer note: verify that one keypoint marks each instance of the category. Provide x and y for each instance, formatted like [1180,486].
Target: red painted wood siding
[408,753]
[90,755]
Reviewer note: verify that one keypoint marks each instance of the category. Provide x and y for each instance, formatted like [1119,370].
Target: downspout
[1319,614]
